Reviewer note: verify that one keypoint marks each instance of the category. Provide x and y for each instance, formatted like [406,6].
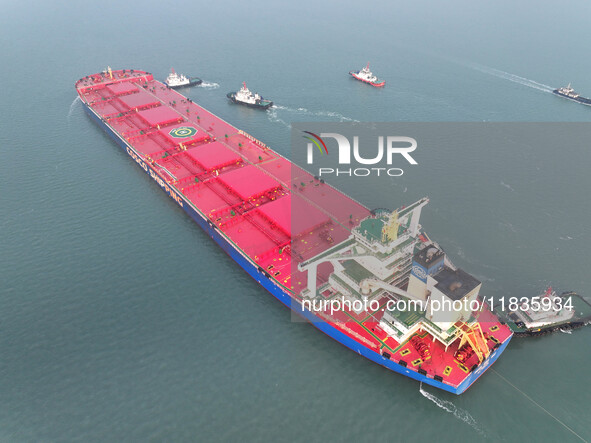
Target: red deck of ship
[239,183]
[442,361]
[249,192]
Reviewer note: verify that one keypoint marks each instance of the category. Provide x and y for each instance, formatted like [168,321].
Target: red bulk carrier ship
[242,194]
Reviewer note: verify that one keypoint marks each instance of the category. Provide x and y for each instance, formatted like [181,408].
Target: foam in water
[73,106]
[273,114]
[511,77]
[448,406]
[508,226]
[209,85]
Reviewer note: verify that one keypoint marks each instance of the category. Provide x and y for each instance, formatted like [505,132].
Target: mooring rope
[539,405]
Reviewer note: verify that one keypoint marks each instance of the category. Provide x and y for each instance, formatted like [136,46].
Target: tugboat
[245,97]
[366,76]
[569,92]
[175,80]
[547,313]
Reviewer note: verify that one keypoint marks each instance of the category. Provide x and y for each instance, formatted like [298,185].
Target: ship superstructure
[543,316]
[300,238]
[387,261]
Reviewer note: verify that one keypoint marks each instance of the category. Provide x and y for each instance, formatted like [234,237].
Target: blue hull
[265,280]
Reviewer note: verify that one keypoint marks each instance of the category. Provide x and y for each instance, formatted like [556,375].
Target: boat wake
[448,406]
[273,117]
[275,111]
[73,106]
[512,77]
[209,85]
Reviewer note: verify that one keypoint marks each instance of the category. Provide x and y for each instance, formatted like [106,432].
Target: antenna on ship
[172,70]
[367,67]
[110,72]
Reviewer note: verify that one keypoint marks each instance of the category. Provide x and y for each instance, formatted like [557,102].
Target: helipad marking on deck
[183,132]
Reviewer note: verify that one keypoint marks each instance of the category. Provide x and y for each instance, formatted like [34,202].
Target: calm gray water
[121,321]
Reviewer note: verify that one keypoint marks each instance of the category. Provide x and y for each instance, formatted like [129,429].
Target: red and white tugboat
[366,76]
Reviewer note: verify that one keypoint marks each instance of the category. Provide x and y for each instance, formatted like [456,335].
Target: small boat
[245,97]
[176,80]
[548,312]
[569,92]
[366,76]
